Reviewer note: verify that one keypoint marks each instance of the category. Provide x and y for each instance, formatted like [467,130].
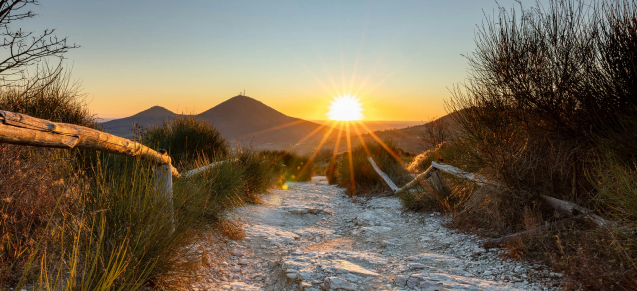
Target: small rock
[401,280]
[238,252]
[305,285]
[332,283]
[243,262]
[291,275]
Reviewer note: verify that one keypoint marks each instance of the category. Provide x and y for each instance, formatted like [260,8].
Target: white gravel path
[313,237]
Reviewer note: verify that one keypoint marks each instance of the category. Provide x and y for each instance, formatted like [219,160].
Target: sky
[400,58]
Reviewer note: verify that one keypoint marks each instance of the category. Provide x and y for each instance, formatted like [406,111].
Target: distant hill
[407,138]
[124,127]
[246,119]
[239,118]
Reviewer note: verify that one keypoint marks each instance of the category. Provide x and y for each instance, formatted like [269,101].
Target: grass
[186,139]
[364,180]
[80,220]
[296,168]
[548,109]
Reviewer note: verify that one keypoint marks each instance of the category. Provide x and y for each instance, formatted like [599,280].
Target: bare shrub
[36,190]
[435,133]
[547,86]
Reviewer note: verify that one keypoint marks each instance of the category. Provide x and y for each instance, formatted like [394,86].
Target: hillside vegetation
[549,109]
[74,219]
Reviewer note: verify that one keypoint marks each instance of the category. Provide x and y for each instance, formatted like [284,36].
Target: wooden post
[164,186]
[439,183]
[382,174]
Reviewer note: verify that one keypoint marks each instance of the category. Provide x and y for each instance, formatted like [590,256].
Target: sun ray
[318,148]
[327,72]
[351,161]
[392,153]
[369,75]
[307,70]
[330,171]
[360,137]
[273,128]
[391,74]
[358,56]
[309,135]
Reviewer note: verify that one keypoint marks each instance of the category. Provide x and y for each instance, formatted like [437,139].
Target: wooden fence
[433,177]
[22,129]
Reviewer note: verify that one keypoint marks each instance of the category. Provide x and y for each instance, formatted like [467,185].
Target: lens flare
[345,108]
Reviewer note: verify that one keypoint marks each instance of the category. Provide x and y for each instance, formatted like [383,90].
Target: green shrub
[223,187]
[364,179]
[297,168]
[186,139]
[260,172]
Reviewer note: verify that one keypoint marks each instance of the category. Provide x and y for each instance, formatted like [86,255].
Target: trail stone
[332,283]
[401,280]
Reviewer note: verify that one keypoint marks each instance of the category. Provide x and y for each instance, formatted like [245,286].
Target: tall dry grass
[550,94]
[79,220]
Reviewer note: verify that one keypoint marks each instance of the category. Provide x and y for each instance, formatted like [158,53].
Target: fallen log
[560,224]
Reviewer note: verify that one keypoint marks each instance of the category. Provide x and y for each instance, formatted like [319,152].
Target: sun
[345,108]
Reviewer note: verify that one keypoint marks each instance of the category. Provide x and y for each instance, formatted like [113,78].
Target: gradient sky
[399,57]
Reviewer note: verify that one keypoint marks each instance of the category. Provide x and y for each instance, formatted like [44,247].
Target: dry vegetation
[549,109]
[83,220]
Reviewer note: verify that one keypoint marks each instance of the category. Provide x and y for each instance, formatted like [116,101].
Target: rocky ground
[313,237]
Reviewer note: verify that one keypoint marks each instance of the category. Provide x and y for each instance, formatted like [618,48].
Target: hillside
[245,119]
[124,127]
[239,119]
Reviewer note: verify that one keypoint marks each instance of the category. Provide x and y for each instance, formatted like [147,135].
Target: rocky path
[313,237]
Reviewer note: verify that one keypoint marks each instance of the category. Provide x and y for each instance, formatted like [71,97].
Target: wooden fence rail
[432,175]
[21,129]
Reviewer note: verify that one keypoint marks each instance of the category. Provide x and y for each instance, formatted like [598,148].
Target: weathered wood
[566,206]
[416,181]
[164,187]
[22,136]
[439,184]
[560,224]
[202,169]
[22,129]
[574,209]
[480,180]
[382,174]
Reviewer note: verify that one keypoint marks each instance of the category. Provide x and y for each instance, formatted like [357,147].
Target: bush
[186,139]
[297,168]
[54,98]
[261,172]
[364,180]
[551,91]
[435,133]
[223,187]
[36,187]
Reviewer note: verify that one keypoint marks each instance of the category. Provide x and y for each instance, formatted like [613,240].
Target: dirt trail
[313,237]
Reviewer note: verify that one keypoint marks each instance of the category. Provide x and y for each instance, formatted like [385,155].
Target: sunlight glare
[345,108]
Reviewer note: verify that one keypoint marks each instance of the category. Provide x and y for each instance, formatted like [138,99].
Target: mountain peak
[155,111]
